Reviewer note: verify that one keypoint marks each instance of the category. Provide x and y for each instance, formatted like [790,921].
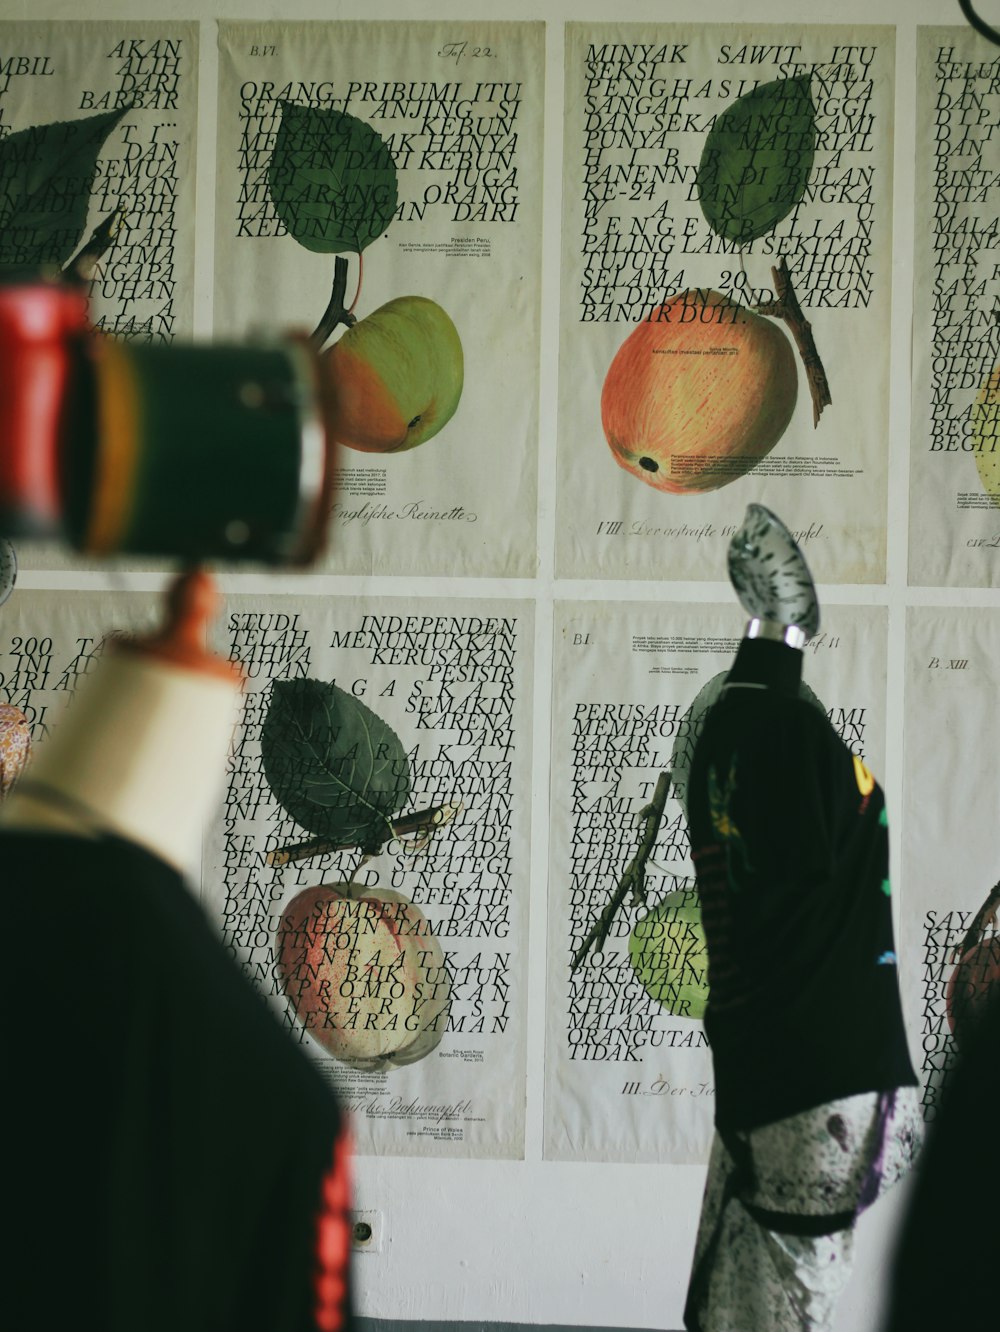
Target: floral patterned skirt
[777,1221]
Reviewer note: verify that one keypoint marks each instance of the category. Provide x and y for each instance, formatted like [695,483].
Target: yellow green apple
[698,393]
[669,955]
[394,378]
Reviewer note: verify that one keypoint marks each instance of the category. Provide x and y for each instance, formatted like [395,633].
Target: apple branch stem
[786,306]
[356,889]
[634,878]
[335,312]
[428,819]
[83,265]
[357,289]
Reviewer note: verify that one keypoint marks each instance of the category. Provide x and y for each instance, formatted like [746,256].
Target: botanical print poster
[628,1069]
[379,187]
[955,450]
[727,198]
[97,153]
[97,175]
[951,861]
[369,867]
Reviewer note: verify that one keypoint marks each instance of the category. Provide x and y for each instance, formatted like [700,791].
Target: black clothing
[951,1232]
[790,845]
[167,1143]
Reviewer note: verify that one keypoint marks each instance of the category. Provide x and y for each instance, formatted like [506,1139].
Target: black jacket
[790,845]
[166,1141]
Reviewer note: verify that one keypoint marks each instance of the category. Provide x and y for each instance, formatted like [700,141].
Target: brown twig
[786,306]
[83,265]
[430,819]
[634,877]
[336,312]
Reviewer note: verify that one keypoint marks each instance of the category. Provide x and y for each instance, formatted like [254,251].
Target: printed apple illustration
[15,745]
[364,974]
[394,378]
[698,393]
[986,432]
[975,982]
[669,955]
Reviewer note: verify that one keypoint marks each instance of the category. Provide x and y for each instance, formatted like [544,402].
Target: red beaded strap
[333,1241]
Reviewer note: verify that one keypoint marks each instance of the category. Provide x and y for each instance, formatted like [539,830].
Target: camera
[197,451]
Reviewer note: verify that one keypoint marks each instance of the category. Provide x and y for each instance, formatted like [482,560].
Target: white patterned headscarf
[770,574]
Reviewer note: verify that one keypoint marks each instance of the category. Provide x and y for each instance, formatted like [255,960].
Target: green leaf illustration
[337,768]
[757,158]
[332,179]
[46,175]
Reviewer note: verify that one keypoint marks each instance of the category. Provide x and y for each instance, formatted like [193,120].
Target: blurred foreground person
[816,1101]
[174,1163]
[950,1235]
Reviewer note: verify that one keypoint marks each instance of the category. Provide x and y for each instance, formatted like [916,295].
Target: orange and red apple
[364,974]
[698,393]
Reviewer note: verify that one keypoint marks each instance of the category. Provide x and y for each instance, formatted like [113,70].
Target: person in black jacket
[816,1103]
[950,1235]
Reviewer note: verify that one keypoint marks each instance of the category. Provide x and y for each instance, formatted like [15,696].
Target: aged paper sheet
[628,1069]
[697,159]
[413,149]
